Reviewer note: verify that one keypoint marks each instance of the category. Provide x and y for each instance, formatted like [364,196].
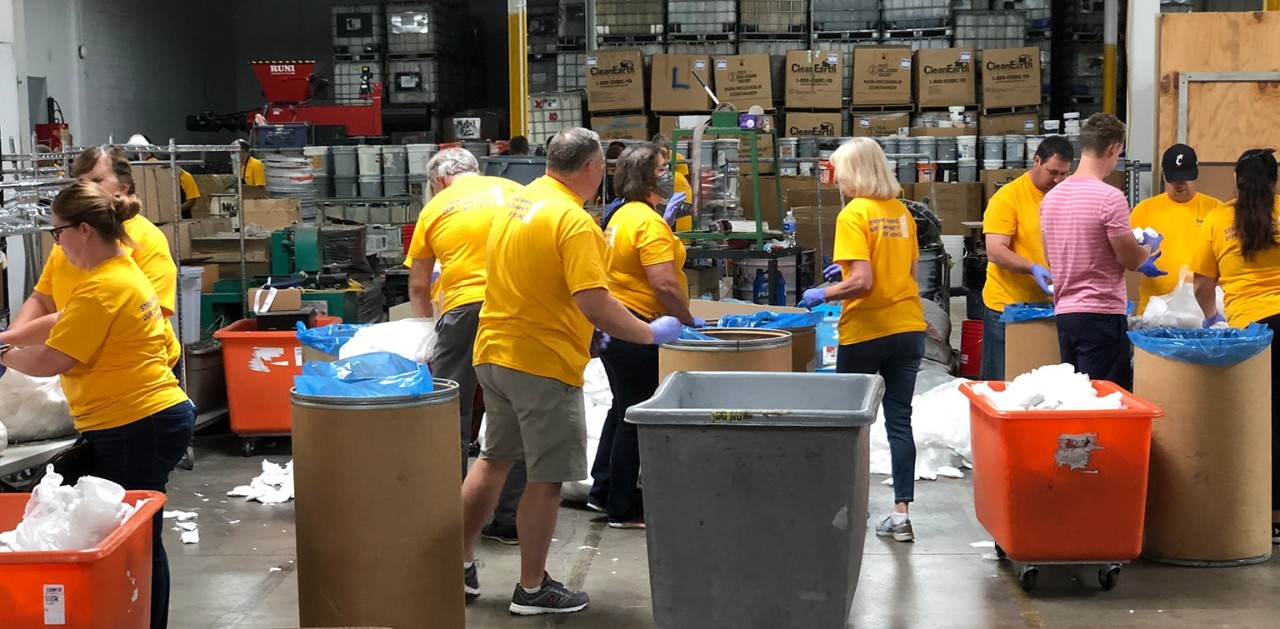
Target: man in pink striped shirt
[1090,244]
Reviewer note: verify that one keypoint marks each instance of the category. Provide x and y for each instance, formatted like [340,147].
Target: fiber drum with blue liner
[733,540]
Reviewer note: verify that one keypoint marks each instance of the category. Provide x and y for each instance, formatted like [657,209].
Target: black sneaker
[553,598]
[471,582]
[501,534]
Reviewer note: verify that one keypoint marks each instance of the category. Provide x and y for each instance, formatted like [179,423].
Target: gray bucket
[345,188]
[344,162]
[787,148]
[906,170]
[323,186]
[394,186]
[890,144]
[395,161]
[371,187]
[907,146]
[935,276]
[723,456]
[967,168]
[807,147]
[1015,150]
[992,148]
[946,149]
[927,146]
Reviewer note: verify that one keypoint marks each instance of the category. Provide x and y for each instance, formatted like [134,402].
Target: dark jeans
[897,359]
[1274,323]
[1097,345]
[633,377]
[140,455]
[992,345]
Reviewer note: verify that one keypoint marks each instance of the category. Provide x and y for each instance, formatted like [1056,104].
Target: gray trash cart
[755,489]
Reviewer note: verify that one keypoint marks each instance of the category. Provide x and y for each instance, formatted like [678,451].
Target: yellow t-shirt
[188,183]
[252,172]
[682,164]
[1014,210]
[684,223]
[883,233]
[454,228]
[637,238]
[113,327]
[542,250]
[1251,289]
[1180,224]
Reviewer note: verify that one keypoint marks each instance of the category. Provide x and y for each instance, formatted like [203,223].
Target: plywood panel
[1225,119]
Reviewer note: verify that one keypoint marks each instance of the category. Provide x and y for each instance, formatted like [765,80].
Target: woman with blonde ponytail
[109,346]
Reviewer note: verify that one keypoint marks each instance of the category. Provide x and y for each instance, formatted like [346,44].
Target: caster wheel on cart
[247,447]
[1000,553]
[1027,577]
[1108,576]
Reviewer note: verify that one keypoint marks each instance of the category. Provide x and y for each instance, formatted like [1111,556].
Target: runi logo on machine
[282,68]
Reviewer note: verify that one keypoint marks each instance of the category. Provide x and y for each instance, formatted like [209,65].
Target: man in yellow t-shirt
[545,291]
[454,229]
[188,192]
[1016,264]
[251,170]
[1177,215]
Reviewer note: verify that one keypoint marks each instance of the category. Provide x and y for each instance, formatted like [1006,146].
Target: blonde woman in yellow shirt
[882,323]
[109,348]
[645,268]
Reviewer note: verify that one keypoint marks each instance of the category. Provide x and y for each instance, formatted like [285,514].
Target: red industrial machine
[290,88]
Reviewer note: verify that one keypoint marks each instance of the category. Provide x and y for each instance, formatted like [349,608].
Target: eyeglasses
[56,232]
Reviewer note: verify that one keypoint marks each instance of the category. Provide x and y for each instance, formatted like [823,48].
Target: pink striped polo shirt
[1078,218]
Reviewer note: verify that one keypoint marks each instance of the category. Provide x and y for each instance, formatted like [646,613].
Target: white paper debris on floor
[186,526]
[1054,387]
[181,516]
[191,537]
[273,486]
[940,424]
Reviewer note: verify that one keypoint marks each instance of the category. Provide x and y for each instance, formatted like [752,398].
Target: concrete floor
[242,574]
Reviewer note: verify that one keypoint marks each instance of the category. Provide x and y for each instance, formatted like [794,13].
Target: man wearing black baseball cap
[1177,215]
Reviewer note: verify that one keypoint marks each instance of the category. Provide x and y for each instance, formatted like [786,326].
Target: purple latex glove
[1044,279]
[1153,242]
[599,341]
[673,207]
[833,273]
[1149,268]
[666,330]
[698,322]
[814,297]
[1214,320]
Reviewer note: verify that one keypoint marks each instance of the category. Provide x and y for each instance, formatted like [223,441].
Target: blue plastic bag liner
[380,374]
[1219,347]
[329,338]
[1026,312]
[772,320]
[690,334]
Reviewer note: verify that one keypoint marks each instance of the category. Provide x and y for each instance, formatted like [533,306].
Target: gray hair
[451,163]
[570,150]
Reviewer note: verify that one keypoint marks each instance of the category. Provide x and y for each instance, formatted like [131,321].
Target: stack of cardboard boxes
[1010,103]
[814,94]
[945,78]
[881,90]
[615,94]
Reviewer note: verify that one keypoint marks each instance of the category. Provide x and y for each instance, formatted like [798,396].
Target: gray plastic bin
[756,512]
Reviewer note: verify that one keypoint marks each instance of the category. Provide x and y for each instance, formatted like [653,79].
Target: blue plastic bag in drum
[1014,313]
[380,374]
[772,320]
[1219,347]
[329,338]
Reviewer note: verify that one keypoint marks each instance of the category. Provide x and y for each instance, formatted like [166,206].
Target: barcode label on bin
[55,605]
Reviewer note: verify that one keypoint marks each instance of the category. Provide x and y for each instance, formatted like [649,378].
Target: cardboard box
[815,79]
[744,80]
[621,127]
[615,81]
[881,75]
[673,86]
[713,310]
[702,280]
[945,77]
[876,124]
[993,180]
[273,213]
[824,124]
[1010,77]
[182,235]
[1030,345]
[210,185]
[224,248]
[155,188]
[286,299]
[1010,124]
[954,203]
[209,278]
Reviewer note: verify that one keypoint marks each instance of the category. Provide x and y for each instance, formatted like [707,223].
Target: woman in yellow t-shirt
[882,325]
[109,348]
[1240,251]
[645,270]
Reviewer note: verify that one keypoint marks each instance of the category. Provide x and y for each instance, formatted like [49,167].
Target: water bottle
[760,289]
[789,229]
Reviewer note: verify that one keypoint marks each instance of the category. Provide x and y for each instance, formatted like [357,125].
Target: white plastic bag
[412,338]
[65,517]
[1178,309]
[34,409]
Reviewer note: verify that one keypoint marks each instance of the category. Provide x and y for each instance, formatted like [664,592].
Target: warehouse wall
[280,29]
[51,42]
[13,98]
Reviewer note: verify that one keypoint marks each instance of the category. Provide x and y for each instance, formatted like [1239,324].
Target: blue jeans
[140,455]
[897,359]
[1097,345]
[992,345]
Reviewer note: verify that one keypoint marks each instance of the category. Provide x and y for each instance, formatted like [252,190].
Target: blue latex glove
[1149,269]
[666,330]
[614,204]
[1044,279]
[1214,320]
[698,322]
[1153,242]
[814,297]
[833,273]
[599,341]
[673,206]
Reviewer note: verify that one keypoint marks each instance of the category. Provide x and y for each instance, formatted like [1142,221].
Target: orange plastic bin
[1062,486]
[107,586]
[260,367]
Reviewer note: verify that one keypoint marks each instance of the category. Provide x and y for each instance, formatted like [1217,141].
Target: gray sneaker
[553,598]
[899,532]
[471,582]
